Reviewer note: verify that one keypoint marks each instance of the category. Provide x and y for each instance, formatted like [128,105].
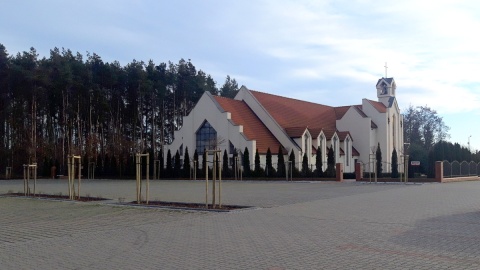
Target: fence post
[339,172]
[358,171]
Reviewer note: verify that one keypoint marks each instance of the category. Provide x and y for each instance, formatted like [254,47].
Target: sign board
[415,163]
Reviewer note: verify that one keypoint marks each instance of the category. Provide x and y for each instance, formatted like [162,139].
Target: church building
[262,121]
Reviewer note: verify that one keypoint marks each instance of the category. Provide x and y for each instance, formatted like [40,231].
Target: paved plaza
[293,225]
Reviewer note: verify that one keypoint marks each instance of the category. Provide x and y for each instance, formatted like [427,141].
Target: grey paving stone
[295,226]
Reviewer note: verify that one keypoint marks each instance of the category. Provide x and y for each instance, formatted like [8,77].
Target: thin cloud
[320,42]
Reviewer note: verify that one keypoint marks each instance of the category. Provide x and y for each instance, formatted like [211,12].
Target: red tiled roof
[289,112]
[341,111]
[315,132]
[295,132]
[343,135]
[355,152]
[379,106]
[360,111]
[328,133]
[253,128]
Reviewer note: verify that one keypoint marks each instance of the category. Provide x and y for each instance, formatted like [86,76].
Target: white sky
[330,52]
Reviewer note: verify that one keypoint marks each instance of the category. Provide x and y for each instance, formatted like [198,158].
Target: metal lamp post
[374,150]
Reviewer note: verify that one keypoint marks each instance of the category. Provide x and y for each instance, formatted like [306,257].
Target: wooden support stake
[214,179]
[220,187]
[206,185]
[138,176]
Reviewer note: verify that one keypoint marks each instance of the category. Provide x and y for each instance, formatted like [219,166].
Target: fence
[386,167]
[459,169]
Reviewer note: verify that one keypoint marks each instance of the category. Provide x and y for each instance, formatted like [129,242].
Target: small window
[231,149]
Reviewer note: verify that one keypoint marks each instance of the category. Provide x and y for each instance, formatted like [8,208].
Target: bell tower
[386,88]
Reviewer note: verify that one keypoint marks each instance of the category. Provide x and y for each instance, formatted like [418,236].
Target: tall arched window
[321,142]
[335,149]
[322,138]
[206,138]
[306,144]
[347,151]
[307,151]
[394,131]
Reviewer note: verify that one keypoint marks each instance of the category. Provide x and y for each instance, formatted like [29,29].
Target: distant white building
[260,121]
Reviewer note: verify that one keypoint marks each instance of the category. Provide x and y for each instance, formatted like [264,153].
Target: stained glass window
[206,138]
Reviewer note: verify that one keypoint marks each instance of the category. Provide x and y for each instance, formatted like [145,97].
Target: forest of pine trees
[68,103]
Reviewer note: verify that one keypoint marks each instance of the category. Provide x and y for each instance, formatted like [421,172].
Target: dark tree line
[176,169]
[426,134]
[448,151]
[66,103]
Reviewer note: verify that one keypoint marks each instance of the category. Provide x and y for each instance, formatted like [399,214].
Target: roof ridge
[223,97]
[291,98]
[378,102]
[344,106]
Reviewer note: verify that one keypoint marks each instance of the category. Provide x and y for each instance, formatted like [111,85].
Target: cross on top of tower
[386,67]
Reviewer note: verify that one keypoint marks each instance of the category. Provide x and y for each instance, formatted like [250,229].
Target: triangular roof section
[290,113]
[387,80]
[315,132]
[342,135]
[379,106]
[295,132]
[214,100]
[360,111]
[355,153]
[341,111]
[279,132]
[329,133]
[253,128]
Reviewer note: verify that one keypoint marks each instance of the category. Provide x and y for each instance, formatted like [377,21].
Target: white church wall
[373,142]
[206,109]
[298,154]
[395,126]
[382,132]
[336,149]
[394,140]
[347,157]
[360,129]
[263,161]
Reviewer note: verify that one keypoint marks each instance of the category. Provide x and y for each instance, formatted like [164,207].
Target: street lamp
[374,150]
[405,160]
[370,167]
[469,142]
